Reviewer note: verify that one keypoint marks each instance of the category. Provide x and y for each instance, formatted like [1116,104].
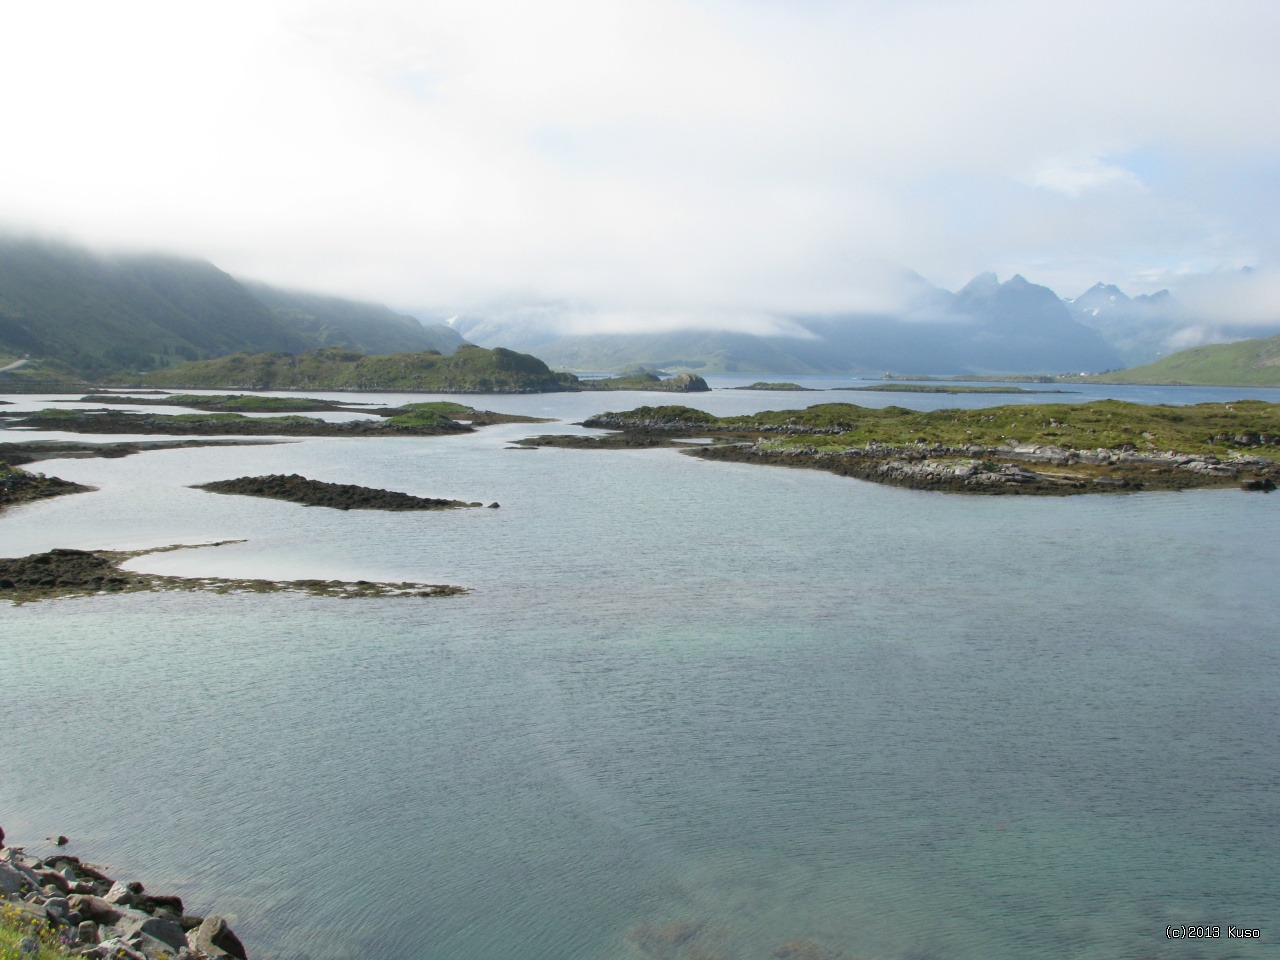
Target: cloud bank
[652,158]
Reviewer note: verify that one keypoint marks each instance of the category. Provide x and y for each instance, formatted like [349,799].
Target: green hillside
[1247,363]
[102,314]
[351,324]
[470,370]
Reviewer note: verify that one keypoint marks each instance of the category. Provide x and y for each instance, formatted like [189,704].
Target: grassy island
[1107,445]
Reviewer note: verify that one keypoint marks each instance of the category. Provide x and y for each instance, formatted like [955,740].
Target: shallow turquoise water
[777,703]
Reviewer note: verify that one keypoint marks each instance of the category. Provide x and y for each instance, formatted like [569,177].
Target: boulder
[119,894]
[56,909]
[53,877]
[11,881]
[95,908]
[214,937]
[139,928]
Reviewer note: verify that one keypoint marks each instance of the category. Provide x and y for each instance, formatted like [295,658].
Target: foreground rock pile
[62,898]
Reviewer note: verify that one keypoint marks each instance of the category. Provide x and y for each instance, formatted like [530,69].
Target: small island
[19,486]
[780,386]
[338,496]
[84,573]
[1107,446]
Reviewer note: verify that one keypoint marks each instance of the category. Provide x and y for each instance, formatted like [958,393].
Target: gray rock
[28,946]
[54,878]
[214,937]
[87,932]
[136,925]
[117,949]
[11,881]
[119,894]
[95,908]
[56,909]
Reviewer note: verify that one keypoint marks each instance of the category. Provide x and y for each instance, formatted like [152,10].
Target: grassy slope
[100,314]
[469,370]
[1248,363]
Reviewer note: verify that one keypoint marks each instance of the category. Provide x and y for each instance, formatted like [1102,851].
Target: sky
[655,161]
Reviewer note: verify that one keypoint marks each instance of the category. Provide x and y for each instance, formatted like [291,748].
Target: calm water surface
[775,703]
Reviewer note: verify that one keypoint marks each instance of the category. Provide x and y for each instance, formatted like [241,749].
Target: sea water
[778,707]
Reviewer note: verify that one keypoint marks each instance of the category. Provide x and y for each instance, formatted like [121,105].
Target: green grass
[1252,363]
[16,924]
[469,370]
[437,406]
[245,402]
[1201,428]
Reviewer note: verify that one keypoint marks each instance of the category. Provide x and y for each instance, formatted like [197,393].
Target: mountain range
[987,327]
[82,314]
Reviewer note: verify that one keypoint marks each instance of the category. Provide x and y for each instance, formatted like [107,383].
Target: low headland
[1046,449]
[60,906]
[470,369]
[294,488]
[84,573]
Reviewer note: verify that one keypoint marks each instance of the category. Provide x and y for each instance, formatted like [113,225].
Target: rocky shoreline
[1022,470]
[85,573]
[65,901]
[294,488]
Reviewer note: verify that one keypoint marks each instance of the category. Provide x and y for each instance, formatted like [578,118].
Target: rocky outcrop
[60,900]
[19,486]
[338,496]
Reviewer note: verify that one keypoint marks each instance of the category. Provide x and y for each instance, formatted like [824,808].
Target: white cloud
[660,158]
[1077,176]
